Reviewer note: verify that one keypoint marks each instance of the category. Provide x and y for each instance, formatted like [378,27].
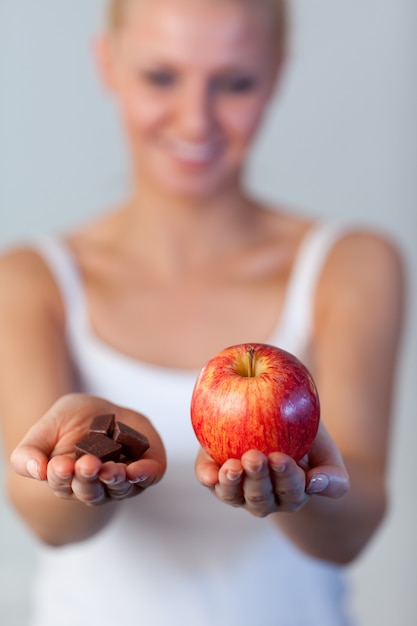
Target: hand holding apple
[263,485]
[255,397]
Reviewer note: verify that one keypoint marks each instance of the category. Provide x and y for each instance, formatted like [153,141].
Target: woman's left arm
[358,320]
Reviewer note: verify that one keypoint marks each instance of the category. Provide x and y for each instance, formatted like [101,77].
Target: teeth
[193,151]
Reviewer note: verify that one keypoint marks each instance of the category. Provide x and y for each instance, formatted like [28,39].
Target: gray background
[341,141]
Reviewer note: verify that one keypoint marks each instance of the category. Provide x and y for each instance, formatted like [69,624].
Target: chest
[182,323]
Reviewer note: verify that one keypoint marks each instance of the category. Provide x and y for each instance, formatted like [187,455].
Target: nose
[195,110]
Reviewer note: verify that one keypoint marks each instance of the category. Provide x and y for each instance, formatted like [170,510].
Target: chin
[197,187]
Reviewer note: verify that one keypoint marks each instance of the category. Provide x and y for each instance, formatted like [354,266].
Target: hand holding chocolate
[110,440]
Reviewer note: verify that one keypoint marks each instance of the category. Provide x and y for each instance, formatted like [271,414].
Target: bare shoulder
[26,283]
[364,272]
[368,250]
[366,257]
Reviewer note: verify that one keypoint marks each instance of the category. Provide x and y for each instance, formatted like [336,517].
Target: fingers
[207,470]
[76,480]
[289,482]
[327,476]
[145,472]
[229,487]
[262,485]
[151,467]
[92,482]
[60,472]
[258,492]
[88,480]
[245,483]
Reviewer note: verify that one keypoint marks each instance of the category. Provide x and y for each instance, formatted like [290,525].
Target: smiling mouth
[194,153]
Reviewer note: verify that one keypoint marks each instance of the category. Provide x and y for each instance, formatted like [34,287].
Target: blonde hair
[116,11]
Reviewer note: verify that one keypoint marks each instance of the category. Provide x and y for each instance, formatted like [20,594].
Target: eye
[235,84]
[159,78]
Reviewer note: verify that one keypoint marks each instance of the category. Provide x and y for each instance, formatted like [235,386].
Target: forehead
[185,31]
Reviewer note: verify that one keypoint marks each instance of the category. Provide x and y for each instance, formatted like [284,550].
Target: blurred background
[341,141]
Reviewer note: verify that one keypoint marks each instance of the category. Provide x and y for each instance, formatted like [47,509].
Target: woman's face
[192,79]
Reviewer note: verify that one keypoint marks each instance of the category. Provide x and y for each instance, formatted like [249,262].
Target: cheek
[142,113]
[243,120]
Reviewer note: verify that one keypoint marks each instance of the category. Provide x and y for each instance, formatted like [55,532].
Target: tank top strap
[63,267]
[296,321]
[296,325]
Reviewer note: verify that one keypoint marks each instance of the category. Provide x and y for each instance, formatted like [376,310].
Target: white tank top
[175,556]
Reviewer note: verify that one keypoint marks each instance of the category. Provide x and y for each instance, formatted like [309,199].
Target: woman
[124,311]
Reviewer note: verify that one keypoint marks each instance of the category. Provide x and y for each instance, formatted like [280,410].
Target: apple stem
[251,372]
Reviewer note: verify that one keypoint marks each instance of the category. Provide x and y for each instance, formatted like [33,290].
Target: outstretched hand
[264,485]
[46,453]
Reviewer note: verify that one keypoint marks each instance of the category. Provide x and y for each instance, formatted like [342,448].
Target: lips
[200,153]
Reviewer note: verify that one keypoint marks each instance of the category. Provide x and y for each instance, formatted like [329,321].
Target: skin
[192,82]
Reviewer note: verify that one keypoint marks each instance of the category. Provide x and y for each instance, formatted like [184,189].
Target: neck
[177,232]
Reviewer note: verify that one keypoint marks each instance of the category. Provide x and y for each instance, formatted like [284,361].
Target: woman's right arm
[42,418]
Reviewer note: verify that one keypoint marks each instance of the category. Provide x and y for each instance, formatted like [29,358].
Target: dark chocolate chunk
[103,424]
[134,444]
[101,446]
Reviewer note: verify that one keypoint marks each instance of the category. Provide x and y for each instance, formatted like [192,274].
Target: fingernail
[233,476]
[256,467]
[32,467]
[109,481]
[280,469]
[139,479]
[318,483]
[88,475]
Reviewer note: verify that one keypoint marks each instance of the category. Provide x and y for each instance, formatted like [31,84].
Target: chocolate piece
[101,446]
[108,440]
[134,444]
[103,424]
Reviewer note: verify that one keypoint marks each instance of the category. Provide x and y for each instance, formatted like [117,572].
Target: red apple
[255,396]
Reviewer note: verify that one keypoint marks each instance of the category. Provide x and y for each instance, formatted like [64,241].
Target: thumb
[29,461]
[327,475]
[30,457]
[331,481]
